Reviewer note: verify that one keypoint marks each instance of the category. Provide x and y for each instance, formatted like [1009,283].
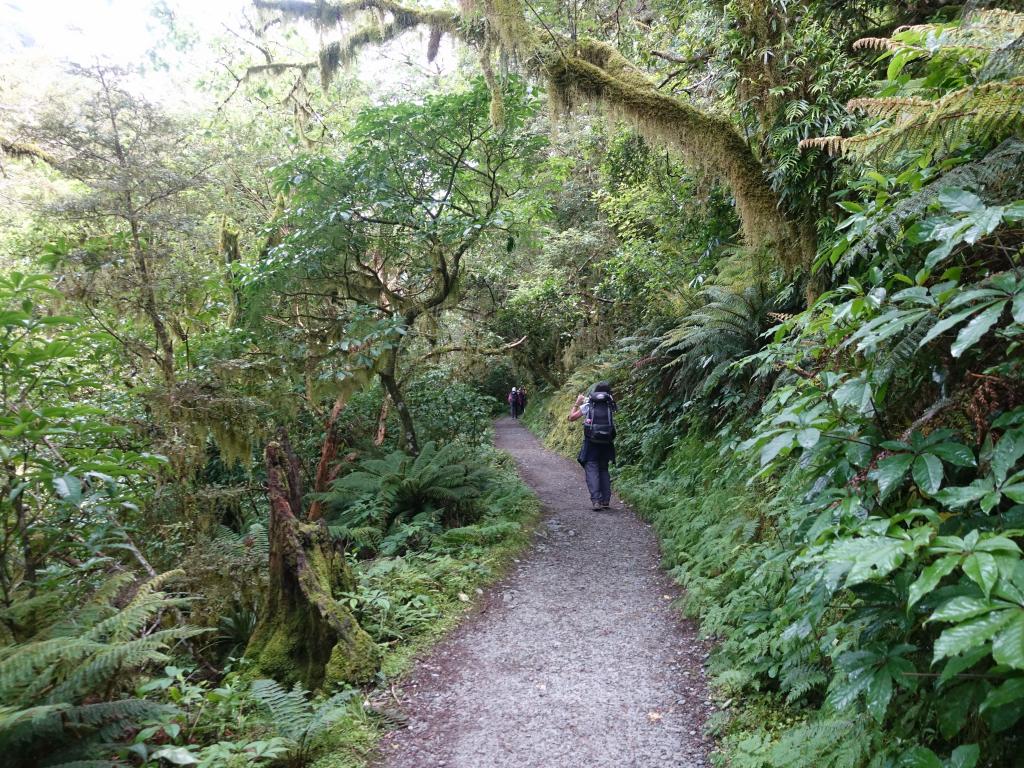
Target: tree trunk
[382,421]
[407,439]
[327,470]
[304,634]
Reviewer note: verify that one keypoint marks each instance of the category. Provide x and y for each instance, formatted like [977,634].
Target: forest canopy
[255,326]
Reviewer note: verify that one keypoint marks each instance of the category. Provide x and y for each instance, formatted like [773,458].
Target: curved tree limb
[597,71]
[24,151]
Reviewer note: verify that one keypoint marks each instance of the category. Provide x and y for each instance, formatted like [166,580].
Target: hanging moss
[231,252]
[497,113]
[387,20]
[330,58]
[601,74]
[509,20]
[434,43]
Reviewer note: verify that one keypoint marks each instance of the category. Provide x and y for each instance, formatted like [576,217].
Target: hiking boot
[597,506]
[606,505]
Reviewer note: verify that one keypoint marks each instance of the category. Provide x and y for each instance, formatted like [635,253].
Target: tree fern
[725,326]
[987,108]
[385,493]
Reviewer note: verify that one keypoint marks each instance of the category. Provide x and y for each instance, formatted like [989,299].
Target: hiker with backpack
[522,400]
[513,403]
[598,449]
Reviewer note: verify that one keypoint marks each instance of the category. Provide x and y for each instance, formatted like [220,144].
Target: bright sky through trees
[53,33]
[121,30]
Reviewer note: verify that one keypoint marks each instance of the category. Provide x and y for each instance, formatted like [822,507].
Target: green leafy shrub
[447,409]
[408,499]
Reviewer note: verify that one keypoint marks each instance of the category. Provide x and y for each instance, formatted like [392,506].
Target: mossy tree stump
[304,633]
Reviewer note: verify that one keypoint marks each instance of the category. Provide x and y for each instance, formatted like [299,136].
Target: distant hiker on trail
[513,403]
[598,449]
[522,400]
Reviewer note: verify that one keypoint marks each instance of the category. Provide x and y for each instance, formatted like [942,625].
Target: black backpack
[599,426]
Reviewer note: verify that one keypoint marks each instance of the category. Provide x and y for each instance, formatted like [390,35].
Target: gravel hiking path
[575,660]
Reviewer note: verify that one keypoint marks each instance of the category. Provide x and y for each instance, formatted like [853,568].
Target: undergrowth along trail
[577,658]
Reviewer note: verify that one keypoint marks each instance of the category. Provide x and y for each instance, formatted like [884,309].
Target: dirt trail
[575,660]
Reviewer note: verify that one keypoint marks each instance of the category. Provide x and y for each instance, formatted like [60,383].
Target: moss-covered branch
[24,151]
[595,71]
[389,20]
[708,142]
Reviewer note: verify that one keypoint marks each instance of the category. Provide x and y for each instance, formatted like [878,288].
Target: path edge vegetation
[796,252]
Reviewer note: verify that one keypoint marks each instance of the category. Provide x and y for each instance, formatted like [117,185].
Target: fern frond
[113,659]
[876,44]
[289,709]
[986,111]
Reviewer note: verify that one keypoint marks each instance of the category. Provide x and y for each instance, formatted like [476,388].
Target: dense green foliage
[838,487]
[790,236]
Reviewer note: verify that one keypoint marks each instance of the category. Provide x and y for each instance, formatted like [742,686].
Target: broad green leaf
[954,453]
[1018,308]
[989,501]
[961,608]
[920,757]
[997,544]
[927,472]
[981,568]
[878,694]
[176,756]
[953,708]
[946,323]
[965,756]
[1006,454]
[68,488]
[961,496]
[856,393]
[960,201]
[809,437]
[779,443]
[870,558]
[1007,693]
[891,471]
[983,223]
[1008,645]
[1014,492]
[930,578]
[963,662]
[971,333]
[970,634]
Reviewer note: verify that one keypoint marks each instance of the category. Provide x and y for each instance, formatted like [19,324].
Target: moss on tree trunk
[304,633]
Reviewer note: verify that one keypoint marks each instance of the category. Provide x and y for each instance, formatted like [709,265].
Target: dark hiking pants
[599,482]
